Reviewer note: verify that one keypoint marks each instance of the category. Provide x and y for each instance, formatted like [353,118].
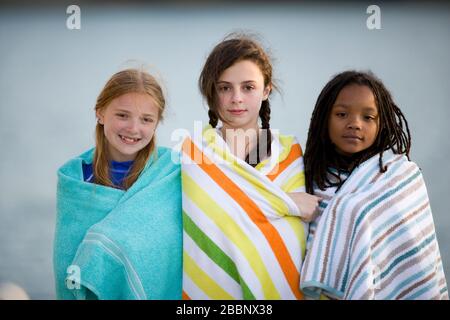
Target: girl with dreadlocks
[375,237]
[243,236]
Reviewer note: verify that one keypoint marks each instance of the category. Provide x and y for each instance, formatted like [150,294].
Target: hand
[307,204]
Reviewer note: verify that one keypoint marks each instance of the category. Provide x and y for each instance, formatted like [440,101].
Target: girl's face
[129,123]
[240,91]
[353,122]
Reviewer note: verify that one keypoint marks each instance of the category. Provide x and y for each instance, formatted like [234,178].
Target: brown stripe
[361,267]
[413,262]
[416,285]
[330,233]
[356,210]
[413,241]
[401,269]
[380,174]
[389,203]
[398,224]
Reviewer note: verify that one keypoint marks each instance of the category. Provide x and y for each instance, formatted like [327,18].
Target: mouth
[237,112]
[129,140]
[352,138]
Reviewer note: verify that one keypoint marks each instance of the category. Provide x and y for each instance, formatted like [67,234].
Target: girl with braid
[375,236]
[243,186]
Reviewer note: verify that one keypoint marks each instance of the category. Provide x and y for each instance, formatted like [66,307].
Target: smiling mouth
[129,140]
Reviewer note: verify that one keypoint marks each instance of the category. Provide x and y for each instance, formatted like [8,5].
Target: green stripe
[215,254]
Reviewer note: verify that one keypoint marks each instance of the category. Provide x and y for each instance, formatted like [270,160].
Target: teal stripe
[422,291]
[384,197]
[367,210]
[394,236]
[381,276]
[361,189]
[408,254]
[215,254]
[402,285]
[387,242]
[391,221]
[390,239]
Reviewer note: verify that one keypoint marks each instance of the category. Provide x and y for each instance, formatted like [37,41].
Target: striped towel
[242,237]
[375,238]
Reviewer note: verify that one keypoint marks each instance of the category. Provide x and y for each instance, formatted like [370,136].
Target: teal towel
[119,244]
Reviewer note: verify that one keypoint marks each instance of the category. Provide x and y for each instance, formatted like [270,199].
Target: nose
[133,125]
[237,97]
[354,123]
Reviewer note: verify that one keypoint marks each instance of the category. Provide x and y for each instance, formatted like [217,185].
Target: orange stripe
[294,154]
[184,296]
[254,212]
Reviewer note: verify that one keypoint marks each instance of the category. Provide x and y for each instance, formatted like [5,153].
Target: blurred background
[50,77]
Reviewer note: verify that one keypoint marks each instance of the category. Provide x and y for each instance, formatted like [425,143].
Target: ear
[99,116]
[267,91]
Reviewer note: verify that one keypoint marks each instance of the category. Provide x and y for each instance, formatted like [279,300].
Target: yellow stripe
[277,204]
[211,288]
[294,182]
[233,232]
[297,227]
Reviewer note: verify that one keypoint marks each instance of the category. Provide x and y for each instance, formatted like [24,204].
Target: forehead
[355,95]
[244,70]
[135,102]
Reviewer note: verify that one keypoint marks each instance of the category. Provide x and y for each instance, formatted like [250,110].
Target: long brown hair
[126,81]
[235,48]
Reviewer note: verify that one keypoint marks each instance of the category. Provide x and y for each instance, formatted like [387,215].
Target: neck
[240,140]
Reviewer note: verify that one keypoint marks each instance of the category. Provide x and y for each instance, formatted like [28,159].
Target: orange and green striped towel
[242,235]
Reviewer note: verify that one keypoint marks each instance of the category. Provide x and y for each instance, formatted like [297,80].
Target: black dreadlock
[320,154]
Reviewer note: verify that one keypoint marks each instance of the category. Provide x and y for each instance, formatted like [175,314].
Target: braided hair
[235,48]
[320,154]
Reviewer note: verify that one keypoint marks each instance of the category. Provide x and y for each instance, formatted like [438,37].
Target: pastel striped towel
[375,238]
[242,237]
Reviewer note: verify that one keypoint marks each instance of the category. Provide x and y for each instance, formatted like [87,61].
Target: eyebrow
[246,81]
[347,106]
[145,114]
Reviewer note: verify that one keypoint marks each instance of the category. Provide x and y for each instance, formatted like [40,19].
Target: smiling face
[353,122]
[240,92]
[129,123]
